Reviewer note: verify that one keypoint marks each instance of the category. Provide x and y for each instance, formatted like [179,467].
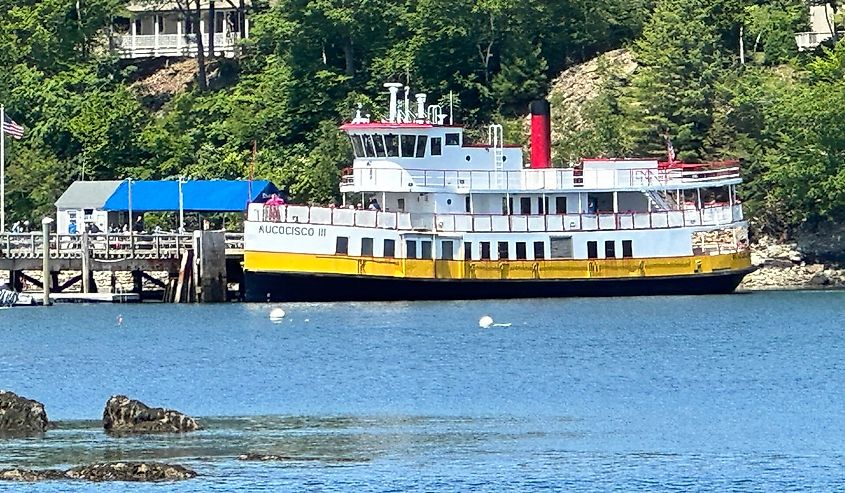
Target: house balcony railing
[176,45]
[811,40]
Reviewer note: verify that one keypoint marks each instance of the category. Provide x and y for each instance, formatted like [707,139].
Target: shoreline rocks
[21,416]
[110,471]
[284,458]
[783,266]
[123,415]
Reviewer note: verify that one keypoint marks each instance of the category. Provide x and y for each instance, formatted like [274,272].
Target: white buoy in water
[277,314]
[485,322]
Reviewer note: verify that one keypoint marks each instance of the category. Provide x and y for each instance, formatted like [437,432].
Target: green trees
[674,89]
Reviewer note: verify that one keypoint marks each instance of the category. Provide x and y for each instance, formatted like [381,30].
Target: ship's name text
[276,229]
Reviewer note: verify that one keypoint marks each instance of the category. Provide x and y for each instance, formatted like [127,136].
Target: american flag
[11,127]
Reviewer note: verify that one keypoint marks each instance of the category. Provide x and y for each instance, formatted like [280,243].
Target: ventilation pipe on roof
[393,87]
[420,107]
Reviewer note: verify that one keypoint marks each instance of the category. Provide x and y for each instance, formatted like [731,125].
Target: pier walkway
[139,253]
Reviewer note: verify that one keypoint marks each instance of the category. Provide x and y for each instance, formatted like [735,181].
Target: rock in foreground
[19,415]
[284,458]
[20,474]
[131,471]
[118,471]
[125,415]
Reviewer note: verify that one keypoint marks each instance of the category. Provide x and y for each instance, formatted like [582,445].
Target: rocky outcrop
[21,416]
[131,471]
[284,458]
[117,471]
[575,87]
[123,415]
[20,474]
[783,266]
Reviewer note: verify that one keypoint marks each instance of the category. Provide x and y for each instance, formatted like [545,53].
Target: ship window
[453,139]
[425,249]
[561,247]
[411,246]
[467,204]
[409,143]
[560,205]
[369,150]
[627,249]
[447,250]
[366,247]
[485,250]
[358,145]
[389,248]
[400,204]
[391,143]
[379,144]
[421,141]
[610,249]
[539,250]
[525,205]
[592,249]
[467,250]
[521,253]
[503,250]
[542,205]
[342,245]
[436,146]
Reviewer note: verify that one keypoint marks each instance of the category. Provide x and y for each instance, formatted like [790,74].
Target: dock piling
[86,263]
[45,239]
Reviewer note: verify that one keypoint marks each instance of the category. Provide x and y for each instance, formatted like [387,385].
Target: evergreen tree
[673,91]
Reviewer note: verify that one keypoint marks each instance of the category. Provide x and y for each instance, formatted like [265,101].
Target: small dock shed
[83,204]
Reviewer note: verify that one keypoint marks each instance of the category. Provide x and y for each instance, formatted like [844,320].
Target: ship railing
[602,221]
[401,179]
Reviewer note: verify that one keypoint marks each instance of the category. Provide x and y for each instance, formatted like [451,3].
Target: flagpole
[2,169]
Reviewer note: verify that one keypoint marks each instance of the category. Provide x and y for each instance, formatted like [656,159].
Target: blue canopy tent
[197,195]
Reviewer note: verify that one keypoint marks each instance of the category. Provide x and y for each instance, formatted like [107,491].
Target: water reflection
[336,439]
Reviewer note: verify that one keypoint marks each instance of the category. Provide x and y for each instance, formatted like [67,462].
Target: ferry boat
[427,215]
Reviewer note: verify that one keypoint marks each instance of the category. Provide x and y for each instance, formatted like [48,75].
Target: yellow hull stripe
[493,269]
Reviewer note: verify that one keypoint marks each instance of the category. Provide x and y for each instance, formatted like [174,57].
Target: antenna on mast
[451,109]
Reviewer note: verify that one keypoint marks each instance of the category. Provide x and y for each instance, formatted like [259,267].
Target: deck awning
[197,195]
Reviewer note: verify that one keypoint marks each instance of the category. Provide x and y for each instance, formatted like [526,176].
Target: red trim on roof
[379,125]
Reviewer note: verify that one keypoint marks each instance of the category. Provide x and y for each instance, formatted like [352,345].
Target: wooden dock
[190,277]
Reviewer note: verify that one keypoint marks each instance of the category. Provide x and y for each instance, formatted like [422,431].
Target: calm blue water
[733,393]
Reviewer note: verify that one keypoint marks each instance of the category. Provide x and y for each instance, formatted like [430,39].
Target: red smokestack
[541,134]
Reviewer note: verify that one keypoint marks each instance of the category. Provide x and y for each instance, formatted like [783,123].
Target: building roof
[87,194]
[171,5]
[197,195]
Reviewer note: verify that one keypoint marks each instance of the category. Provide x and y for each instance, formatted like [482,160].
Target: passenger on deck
[374,205]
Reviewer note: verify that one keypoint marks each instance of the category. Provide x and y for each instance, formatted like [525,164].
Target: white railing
[709,216]
[399,179]
[810,40]
[106,245]
[141,45]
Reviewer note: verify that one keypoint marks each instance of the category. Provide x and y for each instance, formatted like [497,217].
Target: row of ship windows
[561,248]
[392,145]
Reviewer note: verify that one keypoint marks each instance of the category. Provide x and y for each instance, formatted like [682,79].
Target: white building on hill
[160,28]
[821,26]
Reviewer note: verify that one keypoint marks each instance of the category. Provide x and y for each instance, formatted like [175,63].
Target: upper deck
[416,151]
[592,175]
